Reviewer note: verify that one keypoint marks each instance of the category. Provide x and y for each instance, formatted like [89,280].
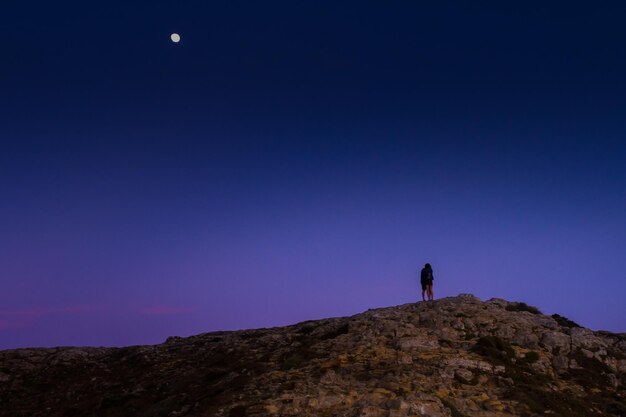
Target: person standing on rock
[426,278]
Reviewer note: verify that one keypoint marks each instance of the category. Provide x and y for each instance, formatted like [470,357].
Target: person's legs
[424,291]
[430,292]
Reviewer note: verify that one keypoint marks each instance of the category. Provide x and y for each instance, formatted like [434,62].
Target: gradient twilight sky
[294,160]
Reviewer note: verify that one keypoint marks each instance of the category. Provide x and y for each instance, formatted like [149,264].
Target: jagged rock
[557,342]
[560,363]
[454,357]
[425,342]
[585,339]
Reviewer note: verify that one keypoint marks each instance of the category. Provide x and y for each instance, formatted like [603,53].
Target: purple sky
[301,160]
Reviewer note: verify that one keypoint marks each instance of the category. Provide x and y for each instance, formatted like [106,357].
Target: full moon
[175,37]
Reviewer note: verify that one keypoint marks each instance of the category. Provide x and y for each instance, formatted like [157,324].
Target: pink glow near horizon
[41,312]
[25,317]
[163,311]
[5,324]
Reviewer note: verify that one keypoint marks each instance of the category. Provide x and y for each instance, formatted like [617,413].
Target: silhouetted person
[426,278]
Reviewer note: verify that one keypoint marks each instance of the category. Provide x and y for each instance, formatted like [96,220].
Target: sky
[289,161]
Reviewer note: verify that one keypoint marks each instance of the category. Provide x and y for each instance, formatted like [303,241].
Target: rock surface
[452,357]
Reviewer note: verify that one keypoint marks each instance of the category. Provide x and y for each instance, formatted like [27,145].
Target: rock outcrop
[452,357]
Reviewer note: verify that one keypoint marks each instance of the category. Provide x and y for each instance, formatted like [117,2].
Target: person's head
[427,266]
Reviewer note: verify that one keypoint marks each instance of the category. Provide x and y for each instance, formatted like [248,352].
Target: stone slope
[452,357]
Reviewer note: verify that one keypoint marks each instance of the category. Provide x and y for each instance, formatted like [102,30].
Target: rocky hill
[452,357]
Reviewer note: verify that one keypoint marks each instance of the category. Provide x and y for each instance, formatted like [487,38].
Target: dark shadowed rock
[453,357]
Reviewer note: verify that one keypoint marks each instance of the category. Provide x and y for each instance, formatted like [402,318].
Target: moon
[175,37]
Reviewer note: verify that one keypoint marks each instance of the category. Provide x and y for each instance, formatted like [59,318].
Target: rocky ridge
[452,357]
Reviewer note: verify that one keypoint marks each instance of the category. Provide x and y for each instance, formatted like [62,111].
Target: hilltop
[453,357]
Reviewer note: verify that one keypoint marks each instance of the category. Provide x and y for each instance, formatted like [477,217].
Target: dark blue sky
[297,160]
